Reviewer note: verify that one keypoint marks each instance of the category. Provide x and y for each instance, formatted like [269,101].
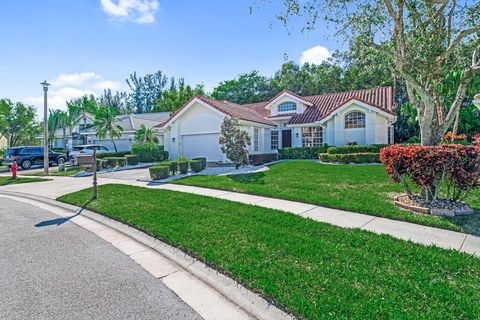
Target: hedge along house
[288,120]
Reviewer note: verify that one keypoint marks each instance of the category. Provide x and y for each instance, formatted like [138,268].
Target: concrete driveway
[51,268]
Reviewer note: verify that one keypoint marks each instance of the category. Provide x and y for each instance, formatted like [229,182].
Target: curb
[210,293]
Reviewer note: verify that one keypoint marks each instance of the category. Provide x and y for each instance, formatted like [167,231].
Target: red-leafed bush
[456,166]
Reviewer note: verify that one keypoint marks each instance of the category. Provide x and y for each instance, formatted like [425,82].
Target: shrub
[100,164]
[301,152]
[159,172]
[112,154]
[112,162]
[455,166]
[258,159]
[365,157]
[149,152]
[182,167]
[203,160]
[196,165]
[173,165]
[372,148]
[132,159]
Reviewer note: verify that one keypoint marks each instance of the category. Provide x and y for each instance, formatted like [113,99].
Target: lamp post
[46,160]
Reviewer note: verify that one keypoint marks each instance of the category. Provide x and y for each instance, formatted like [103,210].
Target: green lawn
[7,180]
[358,188]
[314,270]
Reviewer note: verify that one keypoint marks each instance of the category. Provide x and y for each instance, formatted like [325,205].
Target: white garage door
[202,145]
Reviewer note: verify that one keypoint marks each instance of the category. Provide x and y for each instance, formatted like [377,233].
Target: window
[287,106]
[274,136]
[312,136]
[354,120]
[255,139]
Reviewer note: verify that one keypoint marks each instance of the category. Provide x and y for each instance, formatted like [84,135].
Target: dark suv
[29,156]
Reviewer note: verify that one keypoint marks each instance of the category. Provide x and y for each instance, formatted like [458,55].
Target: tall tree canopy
[246,88]
[425,40]
[177,95]
[118,101]
[146,90]
[17,123]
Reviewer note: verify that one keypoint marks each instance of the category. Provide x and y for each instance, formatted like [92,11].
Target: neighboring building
[130,124]
[287,120]
[3,143]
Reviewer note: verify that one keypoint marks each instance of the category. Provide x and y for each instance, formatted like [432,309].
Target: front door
[286,138]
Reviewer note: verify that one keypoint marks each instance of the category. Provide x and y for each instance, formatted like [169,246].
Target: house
[74,138]
[287,120]
[3,142]
[130,124]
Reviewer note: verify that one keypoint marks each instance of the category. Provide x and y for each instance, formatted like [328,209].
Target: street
[51,268]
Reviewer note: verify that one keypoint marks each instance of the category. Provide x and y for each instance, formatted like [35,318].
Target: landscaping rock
[440,207]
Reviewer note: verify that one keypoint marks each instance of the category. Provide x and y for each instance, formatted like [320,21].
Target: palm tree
[146,135]
[105,125]
[54,117]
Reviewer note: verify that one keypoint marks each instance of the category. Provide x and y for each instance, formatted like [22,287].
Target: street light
[46,160]
[476,101]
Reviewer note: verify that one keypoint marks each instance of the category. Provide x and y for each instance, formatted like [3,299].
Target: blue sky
[88,45]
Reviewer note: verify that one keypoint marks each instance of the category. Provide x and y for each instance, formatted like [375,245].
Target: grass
[55,173]
[357,188]
[8,180]
[314,270]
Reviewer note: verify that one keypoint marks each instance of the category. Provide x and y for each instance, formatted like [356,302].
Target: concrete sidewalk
[398,229]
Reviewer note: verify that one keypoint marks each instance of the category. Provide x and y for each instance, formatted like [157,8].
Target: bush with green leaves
[100,164]
[196,165]
[182,167]
[259,159]
[159,172]
[203,160]
[361,157]
[112,154]
[132,159]
[112,162]
[173,165]
[301,152]
[371,148]
[149,152]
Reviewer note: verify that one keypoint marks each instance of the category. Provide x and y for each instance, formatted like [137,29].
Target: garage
[202,145]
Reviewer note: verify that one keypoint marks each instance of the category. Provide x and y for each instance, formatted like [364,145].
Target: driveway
[53,269]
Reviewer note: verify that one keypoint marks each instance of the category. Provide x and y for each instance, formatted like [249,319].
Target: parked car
[28,156]
[87,149]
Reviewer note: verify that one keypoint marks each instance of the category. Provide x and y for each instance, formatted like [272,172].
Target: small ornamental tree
[234,142]
[456,167]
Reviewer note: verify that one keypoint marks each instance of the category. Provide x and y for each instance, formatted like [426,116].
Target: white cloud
[315,55]
[70,86]
[139,11]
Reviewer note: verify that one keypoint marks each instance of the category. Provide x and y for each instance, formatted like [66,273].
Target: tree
[17,123]
[105,125]
[54,118]
[118,101]
[234,142]
[426,40]
[246,88]
[177,95]
[146,90]
[146,135]
[84,107]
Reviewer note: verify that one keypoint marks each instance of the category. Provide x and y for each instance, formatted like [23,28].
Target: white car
[87,149]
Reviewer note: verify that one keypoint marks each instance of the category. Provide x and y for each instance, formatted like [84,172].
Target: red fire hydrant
[14,170]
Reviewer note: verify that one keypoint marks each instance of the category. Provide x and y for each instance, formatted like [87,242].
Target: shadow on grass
[256,178]
[470,224]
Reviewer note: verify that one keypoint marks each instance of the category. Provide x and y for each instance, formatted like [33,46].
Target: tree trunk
[65,138]
[114,145]
[455,125]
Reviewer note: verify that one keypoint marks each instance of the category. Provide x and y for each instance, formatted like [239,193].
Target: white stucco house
[288,120]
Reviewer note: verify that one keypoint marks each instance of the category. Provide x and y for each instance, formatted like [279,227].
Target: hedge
[132,159]
[196,165]
[111,162]
[301,152]
[173,165]
[203,160]
[159,172]
[361,157]
[100,164]
[183,167]
[149,152]
[372,148]
[112,154]
[258,159]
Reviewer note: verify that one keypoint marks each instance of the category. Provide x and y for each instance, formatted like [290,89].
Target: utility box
[84,161]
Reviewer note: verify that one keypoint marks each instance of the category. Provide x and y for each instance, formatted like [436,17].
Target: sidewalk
[398,229]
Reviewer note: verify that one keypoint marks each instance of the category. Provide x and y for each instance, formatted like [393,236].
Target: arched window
[355,119]
[287,106]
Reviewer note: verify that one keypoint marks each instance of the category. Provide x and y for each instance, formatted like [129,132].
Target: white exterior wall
[300,106]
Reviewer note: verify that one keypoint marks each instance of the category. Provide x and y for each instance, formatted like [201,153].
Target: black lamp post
[46,160]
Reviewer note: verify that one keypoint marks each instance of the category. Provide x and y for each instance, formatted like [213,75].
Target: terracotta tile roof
[323,105]
[281,115]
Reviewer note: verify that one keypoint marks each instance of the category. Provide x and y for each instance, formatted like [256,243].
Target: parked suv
[29,156]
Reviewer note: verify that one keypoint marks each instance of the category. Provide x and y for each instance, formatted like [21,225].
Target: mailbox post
[94,196]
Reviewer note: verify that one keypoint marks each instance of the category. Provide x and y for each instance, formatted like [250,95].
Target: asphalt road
[52,269]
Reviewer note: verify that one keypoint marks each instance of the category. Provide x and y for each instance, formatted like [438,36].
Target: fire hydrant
[14,170]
